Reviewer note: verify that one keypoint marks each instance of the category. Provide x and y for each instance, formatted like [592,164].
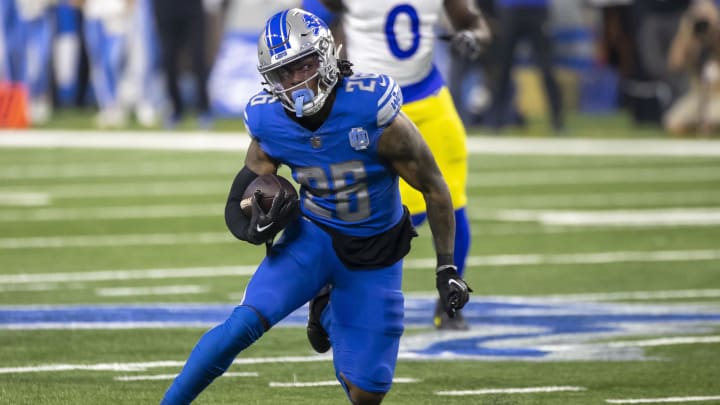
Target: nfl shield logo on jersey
[359,138]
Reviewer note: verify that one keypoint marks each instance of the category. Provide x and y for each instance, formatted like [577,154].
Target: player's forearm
[465,15]
[441,219]
[235,220]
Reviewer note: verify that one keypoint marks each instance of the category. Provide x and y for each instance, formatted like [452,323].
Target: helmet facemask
[294,40]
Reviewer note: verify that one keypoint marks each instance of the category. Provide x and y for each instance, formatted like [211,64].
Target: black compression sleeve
[235,220]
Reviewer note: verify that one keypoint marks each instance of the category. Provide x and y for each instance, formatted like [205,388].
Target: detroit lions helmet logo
[314,23]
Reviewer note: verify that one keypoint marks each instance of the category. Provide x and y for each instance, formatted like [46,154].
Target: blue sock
[462,239]
[462,236]
[213,354]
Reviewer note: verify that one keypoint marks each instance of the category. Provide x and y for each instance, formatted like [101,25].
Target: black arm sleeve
[235,220]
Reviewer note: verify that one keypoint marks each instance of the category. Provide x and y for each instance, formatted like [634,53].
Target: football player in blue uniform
[347,144]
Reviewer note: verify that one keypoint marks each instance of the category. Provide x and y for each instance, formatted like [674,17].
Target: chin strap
[300,96]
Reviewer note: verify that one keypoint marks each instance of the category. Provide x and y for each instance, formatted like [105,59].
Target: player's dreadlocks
[345,67]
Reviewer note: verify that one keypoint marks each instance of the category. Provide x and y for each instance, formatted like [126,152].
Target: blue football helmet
[289,36]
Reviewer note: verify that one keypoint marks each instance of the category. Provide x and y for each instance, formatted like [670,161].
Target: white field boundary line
[499,260]
[157,377]
[145,140]
[525,390]
[330,383]
[240,141]
[663,400]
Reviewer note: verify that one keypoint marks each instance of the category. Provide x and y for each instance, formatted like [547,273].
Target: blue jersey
[344,184]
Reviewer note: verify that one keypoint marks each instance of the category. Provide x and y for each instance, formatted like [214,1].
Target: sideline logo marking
[501,330]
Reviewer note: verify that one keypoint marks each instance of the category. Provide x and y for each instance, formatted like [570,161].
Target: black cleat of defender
[316,333]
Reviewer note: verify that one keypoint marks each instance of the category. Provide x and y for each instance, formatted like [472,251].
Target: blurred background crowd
[156,63]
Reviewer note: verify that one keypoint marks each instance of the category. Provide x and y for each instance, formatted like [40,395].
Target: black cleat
[443,321]
[316,333]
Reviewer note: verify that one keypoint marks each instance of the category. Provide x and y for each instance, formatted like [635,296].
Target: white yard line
[601,200]
[526,390]
[645,217]
[477,178]
[663,400]
[499,260]
[614,296]
[599,257]
[671,341]
[144,366]
[105,325]
[593,176]
[30,199]
[145,291]
[145,274]
[240,141]
[180,187]
[126,212]
[51,242]
[329,383]
[125,169]
[621,218]
[156,377]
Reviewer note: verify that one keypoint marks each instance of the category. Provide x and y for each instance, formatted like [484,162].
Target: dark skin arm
[402,145]
[464,15]
[258,161]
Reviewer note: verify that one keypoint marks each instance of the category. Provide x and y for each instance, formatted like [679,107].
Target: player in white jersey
[397,38]
[34,34]
[107,23]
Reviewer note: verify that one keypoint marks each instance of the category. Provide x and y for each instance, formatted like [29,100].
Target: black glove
[467,44]
[264,226]
[454,291]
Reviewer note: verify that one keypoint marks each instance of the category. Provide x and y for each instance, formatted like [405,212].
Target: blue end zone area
[533,330]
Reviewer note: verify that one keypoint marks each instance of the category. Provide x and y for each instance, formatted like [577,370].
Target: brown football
[269,185]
